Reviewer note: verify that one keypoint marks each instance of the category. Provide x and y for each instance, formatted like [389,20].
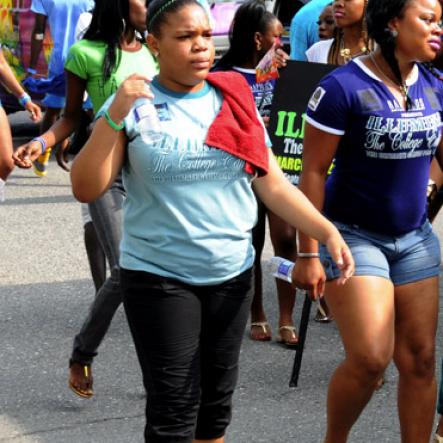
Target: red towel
[236,128]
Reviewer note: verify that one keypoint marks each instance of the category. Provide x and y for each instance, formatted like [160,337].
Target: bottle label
[147,111]
[148,123]
[284,267]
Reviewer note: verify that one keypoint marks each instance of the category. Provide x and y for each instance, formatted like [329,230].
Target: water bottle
[148,123]
[281,268]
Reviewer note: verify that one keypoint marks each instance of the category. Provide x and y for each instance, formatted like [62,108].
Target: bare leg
[217,440]
[368,346]
[284,241]
[6,163]
[416,307]
[260,330]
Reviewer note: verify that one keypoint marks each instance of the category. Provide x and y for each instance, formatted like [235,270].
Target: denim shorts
[404,259]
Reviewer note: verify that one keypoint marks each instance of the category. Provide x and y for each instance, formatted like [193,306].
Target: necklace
[403,88]
[346,54]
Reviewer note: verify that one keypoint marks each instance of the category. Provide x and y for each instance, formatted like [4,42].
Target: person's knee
[370,366]
[417,361]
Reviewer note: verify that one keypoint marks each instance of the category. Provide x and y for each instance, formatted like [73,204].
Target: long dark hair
[251,17]
[158,10]
[109,21]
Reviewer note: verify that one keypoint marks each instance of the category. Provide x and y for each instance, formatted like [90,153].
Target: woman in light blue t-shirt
[186,253]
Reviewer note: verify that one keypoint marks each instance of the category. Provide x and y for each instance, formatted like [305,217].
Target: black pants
[188,342]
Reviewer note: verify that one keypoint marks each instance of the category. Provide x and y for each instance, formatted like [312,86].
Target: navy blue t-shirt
[263,92]
[383,158]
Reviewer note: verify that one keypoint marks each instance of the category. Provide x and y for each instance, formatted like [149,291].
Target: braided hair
[378,14]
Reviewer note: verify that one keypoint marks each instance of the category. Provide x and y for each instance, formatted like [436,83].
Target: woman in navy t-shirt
[380,118]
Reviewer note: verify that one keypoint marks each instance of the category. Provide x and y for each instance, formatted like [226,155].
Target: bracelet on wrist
[31,71]
[112,124]
[41,140]
[308,255]
[24,99]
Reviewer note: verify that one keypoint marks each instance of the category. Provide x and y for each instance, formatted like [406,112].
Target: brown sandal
[78,370]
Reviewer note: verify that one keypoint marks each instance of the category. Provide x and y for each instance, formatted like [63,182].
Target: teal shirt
[190,208]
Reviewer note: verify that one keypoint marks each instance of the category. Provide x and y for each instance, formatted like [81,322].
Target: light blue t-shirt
[303,32]
[190,208]
[62,16]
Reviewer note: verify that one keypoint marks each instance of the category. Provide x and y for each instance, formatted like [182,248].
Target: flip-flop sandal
[321,316]
[293,331]
[264,325]
[84,393]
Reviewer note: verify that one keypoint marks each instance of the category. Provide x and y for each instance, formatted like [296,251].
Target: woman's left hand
[34,111]
[341,255]
[281,58]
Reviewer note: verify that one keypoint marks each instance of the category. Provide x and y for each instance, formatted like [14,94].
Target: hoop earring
[124,25]
[394,33]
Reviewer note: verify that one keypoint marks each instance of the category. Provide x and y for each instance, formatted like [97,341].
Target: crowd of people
[179,216]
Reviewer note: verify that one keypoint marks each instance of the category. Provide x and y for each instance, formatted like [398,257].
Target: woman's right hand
[133,88]
[308,274]
[24,155]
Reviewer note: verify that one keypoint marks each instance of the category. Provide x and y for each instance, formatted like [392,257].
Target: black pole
[302,330]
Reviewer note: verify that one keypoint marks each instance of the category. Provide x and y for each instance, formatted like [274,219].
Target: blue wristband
[41,140]
[24,99]
[32,71]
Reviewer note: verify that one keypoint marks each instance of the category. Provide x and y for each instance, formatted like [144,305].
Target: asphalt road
[45,291]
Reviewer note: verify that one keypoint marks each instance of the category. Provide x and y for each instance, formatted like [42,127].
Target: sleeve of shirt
[328,108]
[298,40]
[105,107]
[131,128]
[37,7]
[76,61]
[82,25]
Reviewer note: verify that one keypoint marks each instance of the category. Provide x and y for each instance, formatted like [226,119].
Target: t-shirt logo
[316,98]
[432,98]
[369,100]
